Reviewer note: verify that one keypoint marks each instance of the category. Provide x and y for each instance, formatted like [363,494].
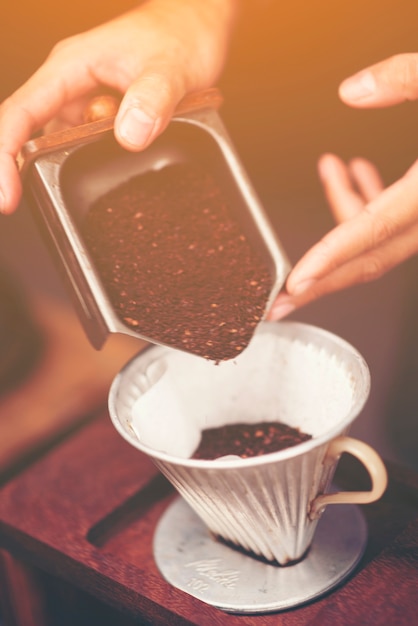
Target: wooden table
[76,531]
[68,383]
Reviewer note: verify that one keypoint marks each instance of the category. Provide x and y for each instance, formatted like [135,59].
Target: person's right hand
[152,56]
[377,227]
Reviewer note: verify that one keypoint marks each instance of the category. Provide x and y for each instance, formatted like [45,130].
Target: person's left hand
[151,57]
[377,227]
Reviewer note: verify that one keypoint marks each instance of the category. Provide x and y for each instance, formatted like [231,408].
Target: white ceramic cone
[292,373]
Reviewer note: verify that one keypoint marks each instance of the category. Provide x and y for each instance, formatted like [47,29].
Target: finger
[25,112]
[392,212]
[10,184]
[16,127]
[148,106]
[39,100]
[88,108]
[365,268]
[343,199]
[389,82]
[366,177]
[283,306]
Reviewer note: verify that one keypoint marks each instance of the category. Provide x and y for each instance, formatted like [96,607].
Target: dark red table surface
[86,513]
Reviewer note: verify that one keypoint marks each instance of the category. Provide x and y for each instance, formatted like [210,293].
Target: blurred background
[282,111]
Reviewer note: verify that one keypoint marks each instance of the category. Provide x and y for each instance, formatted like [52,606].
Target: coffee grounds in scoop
[175,263]
[248,440]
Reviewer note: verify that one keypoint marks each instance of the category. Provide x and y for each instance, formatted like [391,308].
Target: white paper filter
[277,379]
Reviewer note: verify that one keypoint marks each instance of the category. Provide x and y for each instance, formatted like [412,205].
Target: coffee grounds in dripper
[248,440]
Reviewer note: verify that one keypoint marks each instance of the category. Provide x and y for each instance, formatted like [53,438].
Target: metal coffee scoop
[65,172]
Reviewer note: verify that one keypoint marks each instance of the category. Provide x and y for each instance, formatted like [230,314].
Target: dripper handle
[371,461]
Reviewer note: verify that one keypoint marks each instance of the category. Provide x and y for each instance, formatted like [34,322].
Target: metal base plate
[190,559]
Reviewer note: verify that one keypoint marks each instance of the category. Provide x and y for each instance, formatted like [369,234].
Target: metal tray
[65,172]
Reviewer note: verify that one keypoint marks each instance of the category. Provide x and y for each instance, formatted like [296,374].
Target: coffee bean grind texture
[248,440]
[175,263]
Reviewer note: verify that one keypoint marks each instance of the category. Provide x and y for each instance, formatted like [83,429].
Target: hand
[377,228]
[152,56]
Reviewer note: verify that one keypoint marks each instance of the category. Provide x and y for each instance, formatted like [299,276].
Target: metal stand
[190,559]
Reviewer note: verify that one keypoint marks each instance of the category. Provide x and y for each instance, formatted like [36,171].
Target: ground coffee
[247,440]
[175,262]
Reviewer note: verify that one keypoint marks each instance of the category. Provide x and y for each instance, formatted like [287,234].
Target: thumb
[389,82]
[146,109]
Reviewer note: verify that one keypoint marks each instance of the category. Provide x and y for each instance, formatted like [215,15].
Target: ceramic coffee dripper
[291,372]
